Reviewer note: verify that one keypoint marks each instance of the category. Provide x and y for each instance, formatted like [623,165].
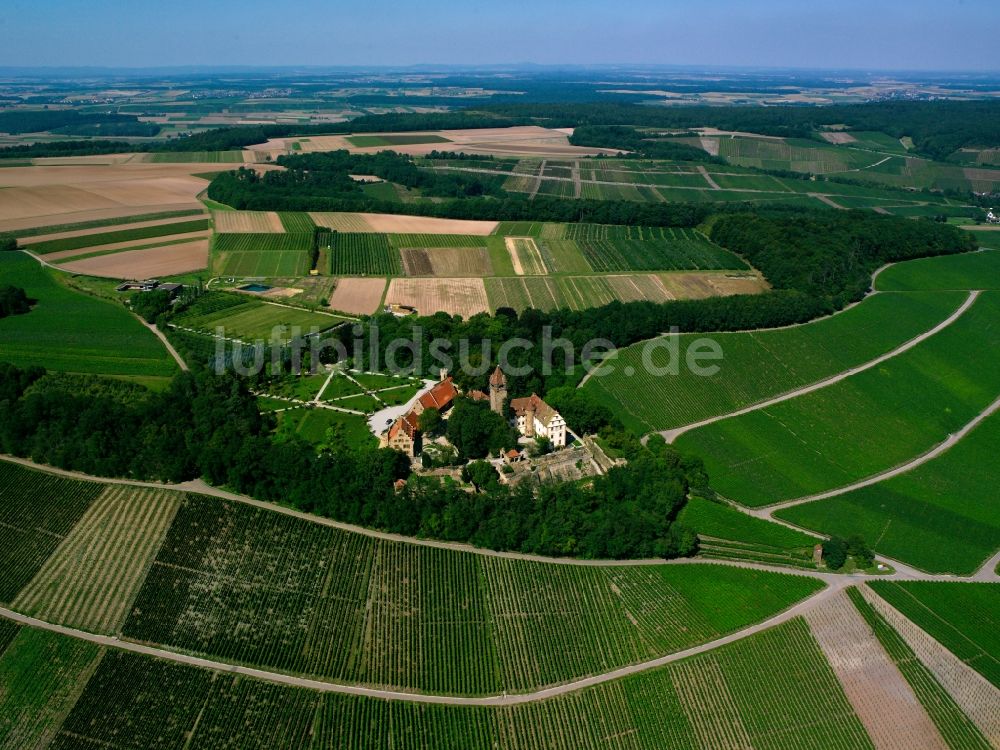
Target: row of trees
[209,426]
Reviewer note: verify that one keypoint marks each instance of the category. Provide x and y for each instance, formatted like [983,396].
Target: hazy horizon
[892,36]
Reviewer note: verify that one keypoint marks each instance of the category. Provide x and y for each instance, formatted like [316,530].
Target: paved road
[672,434]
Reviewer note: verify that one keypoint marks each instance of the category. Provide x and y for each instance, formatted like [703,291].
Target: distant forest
[938,128]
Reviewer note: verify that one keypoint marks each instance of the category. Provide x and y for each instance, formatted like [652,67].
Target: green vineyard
[363,254]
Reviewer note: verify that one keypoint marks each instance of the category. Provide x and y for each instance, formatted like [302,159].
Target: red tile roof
[407,423]
[498,378]
[542,410]
[478,396]
[440,396]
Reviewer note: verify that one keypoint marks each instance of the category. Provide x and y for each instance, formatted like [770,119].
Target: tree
[541,447]
[13,301]
[430,421]
[835,553]
[7,243]
[859,550]
[476,431]
[150,305]
[481,474]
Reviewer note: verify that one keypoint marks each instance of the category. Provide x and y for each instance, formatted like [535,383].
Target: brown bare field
[45,195]
[525,256]
[464,297]
[879,693]
[114,228]
[144,264]
[711,145]
[340,222]
[700,285]
[146,243]
[526,140]
[400,224]
[838,137]
[357,296]
[974,694]
[446,261]
[235,222]
[636,287]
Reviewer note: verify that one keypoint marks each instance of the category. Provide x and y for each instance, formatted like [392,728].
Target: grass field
[74,332]
[860,426]
[37,512]
[943,517]
[366,141]
[313,425]
[124,235]
[771,691]
[760,365]
[364,254]
[252,319]
[969,271]
[963,617]
[263,255]
[358,609]
[720,522]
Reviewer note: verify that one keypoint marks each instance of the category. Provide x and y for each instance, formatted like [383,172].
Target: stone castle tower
[498,390]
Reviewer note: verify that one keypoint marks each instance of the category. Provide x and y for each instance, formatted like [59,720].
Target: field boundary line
[672,434]
[199,487]
[951,441]
[504,699]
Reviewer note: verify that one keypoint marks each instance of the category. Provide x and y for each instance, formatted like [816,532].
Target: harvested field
[400,224]
[247,221]
[93,576]
[340,222]
[357,296]
[144,264]
[879,693]
[45,195]
[525,256]
[446,261]
[464,297]
[838,137]
[701,285]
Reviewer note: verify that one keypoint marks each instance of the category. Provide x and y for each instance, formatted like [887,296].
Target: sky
[844,34]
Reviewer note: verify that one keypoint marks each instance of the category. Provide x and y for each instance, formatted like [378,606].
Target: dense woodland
[321,182]
[209,426]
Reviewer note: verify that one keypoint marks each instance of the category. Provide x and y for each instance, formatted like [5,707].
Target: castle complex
[532,416]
